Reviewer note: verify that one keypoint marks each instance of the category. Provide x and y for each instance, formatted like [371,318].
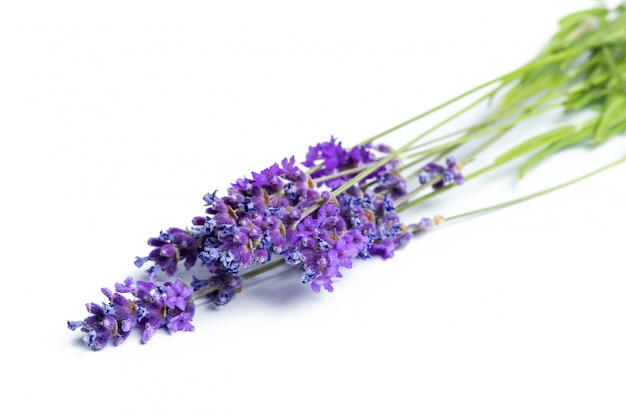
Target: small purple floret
[177,294]
[447,175]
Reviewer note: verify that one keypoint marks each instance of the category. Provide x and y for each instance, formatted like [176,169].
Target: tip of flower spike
[139,261]
[73,325]
[146,305]
[442,176]
[426,224]
[210,198]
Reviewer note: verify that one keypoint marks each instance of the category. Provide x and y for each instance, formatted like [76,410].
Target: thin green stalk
[525,113]
[506,78]
[488,127]
[430,111]
[342,173]
[406,146]
[531,196]
[258,271]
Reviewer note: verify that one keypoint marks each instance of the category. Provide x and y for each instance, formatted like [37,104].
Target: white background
[115,119]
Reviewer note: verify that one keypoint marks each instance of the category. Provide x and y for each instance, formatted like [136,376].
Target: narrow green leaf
[536,143]
[574,26]
[584,99]
[617,128]
[583,134]
[614,114]
[574,19]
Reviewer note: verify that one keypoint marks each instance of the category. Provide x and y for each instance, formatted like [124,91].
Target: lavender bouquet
[333,205]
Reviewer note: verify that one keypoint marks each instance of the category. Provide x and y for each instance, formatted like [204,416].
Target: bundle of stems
[581,72]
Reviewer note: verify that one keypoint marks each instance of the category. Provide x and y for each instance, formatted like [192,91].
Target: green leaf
[574,19]
[575,26]
[580,135]
[617,129]
[536,143]
[584,99]
[614,114]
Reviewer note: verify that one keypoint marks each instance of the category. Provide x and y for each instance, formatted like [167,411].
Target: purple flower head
[153,306]
[331,153]
[268,178]
[333,160]
[291,172]
[170,248]
[227,286]
[393,185]
[447,175]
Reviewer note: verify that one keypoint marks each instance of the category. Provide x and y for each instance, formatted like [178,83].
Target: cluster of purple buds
[283,211]
[169,248]
[223,287]
[355,226]
[155,305]
[447,175]
[280,212]
[339,164]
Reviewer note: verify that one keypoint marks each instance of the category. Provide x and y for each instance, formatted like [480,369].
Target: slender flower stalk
[338,205]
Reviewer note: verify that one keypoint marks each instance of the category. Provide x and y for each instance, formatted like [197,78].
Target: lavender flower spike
[154,305]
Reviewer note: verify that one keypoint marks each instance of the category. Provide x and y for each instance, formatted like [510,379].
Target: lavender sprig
[154,305]
[343,204]
[282,212]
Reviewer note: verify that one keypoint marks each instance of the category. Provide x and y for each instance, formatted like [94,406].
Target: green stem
[359,168]
[531,196]
[258,271]
[430,111]
[506,78]
[406,146]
